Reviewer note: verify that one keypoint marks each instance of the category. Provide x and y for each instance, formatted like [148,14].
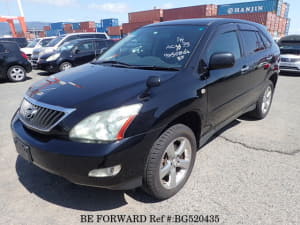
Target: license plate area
[23,149]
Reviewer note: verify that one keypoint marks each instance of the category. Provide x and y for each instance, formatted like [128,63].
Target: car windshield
[44,42]
[155,47]
[54,41]
[33,43]
[66,46]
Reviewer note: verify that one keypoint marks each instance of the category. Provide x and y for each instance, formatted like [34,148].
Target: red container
[46,28]
[115,31]
[90,30]
[42,34]
[145,16]
[186,12]
[87,24]
[129,27]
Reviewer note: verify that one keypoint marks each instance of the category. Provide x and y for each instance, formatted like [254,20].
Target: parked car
[53,45]
[35,44]
[290,53]
[137,115]
[13,63]
[73,53]
[22,42]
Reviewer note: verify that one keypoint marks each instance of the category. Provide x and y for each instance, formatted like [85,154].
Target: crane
[10,20]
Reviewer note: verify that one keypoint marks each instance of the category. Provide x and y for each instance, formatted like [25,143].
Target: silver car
[290,53]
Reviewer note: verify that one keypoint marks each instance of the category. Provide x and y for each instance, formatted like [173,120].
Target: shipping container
[199,11]
[145,16]
[45,28]
[57,26]
[115,31]
[87,24]
[248,7]
[112,22]
[254,17]
[100,29]
[75,26]
[130,27]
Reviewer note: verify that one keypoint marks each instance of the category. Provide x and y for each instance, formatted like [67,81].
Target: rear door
[256,61]
[2,60]
[224,86]
[84,52]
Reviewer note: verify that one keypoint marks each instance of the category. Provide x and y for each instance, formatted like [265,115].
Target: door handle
[245,69]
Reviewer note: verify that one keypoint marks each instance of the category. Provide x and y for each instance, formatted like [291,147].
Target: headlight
[108,125]
[53,57]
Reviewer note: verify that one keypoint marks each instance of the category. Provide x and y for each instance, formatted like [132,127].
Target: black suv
[22,42]
[137,115]
[13,63]
[73,53]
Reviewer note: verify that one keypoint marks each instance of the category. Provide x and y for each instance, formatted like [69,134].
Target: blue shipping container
[100,29]
[249,7]
[98,25]
[57,26]
[112,22]
[76,26]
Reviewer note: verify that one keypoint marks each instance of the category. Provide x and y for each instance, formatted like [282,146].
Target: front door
[224,86]
[84,53]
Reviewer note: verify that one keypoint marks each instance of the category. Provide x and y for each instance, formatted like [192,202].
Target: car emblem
[30,112]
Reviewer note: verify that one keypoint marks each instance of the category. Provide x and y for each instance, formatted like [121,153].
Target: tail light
[24,55]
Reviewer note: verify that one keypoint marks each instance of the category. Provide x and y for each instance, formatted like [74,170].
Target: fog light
[105,172]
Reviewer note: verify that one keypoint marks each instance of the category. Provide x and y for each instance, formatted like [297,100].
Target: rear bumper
[74,160]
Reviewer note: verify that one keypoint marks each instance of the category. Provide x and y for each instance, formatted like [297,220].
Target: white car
[35,44]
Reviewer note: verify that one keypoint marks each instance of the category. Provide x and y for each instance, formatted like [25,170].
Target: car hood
[103,87]
[27,51]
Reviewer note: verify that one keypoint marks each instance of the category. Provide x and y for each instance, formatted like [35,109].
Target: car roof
[87,39]
[203,22]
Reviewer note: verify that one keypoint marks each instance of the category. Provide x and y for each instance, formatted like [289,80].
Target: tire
[170,162]
[16,73]
[264,102]
[65,66]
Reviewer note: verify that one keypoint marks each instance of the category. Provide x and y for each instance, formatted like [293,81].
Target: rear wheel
[264,102]
[16,73]
[170,162]
[65,66]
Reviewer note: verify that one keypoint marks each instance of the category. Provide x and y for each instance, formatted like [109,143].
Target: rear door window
[266,41]
[252,42]
[100,45]
[86,47]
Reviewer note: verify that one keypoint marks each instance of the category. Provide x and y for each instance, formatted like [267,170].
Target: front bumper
[51,66]
[289,66]
[73,160]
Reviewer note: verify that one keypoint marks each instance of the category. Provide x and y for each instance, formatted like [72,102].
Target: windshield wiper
[113,62]
[156,68]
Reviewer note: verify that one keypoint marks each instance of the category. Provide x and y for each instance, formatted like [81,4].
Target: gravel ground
[248,174]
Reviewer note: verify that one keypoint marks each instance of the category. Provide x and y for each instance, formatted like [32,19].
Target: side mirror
[76,51]
[221,61]
[153,81]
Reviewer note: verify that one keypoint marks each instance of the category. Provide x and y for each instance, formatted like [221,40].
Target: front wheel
[65,66]
[16,73]
[170,162]
[264,102]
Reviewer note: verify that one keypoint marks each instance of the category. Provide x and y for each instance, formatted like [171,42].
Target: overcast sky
[82,10]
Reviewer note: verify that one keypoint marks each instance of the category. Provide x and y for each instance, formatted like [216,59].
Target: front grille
[288,68]
[289,60]
[41,116]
